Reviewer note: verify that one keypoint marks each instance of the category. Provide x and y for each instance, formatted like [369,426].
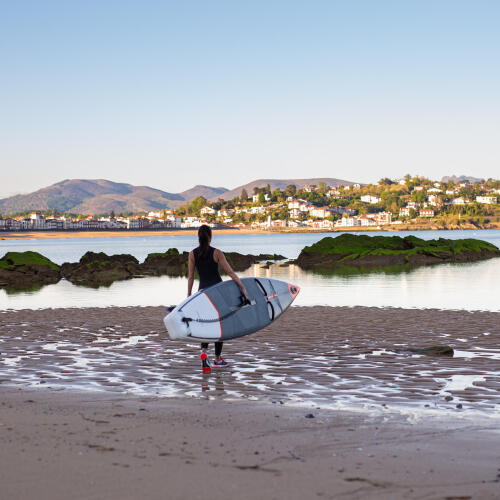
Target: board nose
[294,290]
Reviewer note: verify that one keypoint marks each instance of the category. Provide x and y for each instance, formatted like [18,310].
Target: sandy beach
[99,403]
[35,235]
[63,445]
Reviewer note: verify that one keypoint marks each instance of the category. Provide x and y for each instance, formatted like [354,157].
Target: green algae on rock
[100,269]
[349,250]
[24,270]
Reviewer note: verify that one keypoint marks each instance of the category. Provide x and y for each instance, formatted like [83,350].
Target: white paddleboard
[219,313]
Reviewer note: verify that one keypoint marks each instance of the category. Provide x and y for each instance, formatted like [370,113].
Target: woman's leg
[204,358]
[218,350]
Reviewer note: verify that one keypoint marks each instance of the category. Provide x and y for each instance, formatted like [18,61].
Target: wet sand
[88,446]
[99,403]
[341,357]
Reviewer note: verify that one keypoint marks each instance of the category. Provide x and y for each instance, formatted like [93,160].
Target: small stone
[309,415]
[459,405]
[448,398]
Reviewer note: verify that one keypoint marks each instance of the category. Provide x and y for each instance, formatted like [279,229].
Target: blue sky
[172,94]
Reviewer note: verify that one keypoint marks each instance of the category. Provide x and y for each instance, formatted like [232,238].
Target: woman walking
[206,260]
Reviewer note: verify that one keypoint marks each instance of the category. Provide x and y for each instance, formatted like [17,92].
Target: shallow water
[474,286]
[333,357]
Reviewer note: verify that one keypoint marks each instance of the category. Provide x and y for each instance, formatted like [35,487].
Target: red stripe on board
[272,296]
[218,314]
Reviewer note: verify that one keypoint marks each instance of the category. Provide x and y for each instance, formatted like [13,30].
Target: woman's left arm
[220,258]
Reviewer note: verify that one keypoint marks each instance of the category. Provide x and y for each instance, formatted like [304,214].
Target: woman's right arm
[190,273]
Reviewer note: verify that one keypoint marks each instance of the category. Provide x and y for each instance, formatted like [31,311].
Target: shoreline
[35,235]
[59,445]
[99,403]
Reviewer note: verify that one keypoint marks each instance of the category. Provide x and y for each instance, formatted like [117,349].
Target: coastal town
[387,204]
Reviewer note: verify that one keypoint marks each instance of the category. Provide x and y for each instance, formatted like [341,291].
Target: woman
[207,260]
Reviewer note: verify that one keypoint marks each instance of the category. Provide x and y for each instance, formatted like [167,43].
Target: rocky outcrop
[170,263]
[348,250]
[100,269]
[435,350]
[239,262]
[25,270]
[22,270]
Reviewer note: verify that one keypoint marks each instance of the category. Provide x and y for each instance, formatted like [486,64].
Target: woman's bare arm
[220,258]
[190,273]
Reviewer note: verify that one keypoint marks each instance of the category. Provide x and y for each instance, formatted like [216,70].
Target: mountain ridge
[97,196]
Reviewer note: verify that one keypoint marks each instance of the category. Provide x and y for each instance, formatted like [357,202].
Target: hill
[205,191]
[461,178]
[97,196]
[280,184]
[91,197]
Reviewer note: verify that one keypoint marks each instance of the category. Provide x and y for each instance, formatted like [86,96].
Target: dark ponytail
[204,237]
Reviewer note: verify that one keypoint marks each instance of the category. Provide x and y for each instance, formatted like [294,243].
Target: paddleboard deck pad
[221,313]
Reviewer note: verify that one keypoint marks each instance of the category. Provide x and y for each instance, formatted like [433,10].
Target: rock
[362,251]
[25,270]
[309,415]
[100,269]
[448,398]
[169,263]
[436,350]
[240,262]
[459,406]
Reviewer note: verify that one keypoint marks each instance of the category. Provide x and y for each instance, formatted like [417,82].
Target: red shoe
[205,364]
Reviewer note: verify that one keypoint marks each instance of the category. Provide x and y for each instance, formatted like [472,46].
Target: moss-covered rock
[170,263]
[25,270]
[377,251]
[100,269]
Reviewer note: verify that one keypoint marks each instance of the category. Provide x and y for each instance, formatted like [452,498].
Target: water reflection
[472,286]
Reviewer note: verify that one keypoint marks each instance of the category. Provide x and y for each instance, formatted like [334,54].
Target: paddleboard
[220,312]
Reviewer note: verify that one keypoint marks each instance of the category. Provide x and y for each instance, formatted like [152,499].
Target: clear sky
[176,93]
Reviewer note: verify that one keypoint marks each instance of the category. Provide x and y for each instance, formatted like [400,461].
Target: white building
[37,221]
[348,222]
[255,197]
[368,198]
[207,211]
[366,221]
[489,200]
[320,212]
[460,201]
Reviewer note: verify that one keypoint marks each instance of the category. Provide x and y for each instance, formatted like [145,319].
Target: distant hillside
[91,197]
[463,178]
[97,196]
[280,184]
[205,191]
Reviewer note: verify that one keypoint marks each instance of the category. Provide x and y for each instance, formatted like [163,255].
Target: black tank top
[207,268]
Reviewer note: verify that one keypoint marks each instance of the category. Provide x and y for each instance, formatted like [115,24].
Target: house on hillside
[207,211]
[383,218]
[460,201]
[320,212]
[426,212]
[489,200]
[255,197]
[369,198]
[348,222]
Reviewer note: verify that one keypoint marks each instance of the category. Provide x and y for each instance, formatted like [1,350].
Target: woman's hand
[244,293]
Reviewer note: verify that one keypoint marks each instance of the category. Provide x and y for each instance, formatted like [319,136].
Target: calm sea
[473,286]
